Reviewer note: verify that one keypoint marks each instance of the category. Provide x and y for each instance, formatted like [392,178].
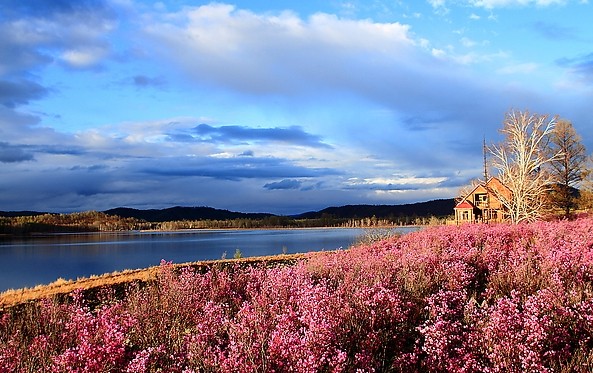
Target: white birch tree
[520,161]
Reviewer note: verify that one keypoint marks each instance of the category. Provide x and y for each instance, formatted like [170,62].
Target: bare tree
[520,162]
[567,169]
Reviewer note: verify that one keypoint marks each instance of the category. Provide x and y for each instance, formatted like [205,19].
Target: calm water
[41,260]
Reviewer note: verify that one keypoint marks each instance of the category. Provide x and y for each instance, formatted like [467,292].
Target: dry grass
[61,287]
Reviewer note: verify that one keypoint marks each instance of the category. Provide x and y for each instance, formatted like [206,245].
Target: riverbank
[115,280]
[41,260]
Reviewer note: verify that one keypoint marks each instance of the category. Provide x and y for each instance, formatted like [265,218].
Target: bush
[475,298]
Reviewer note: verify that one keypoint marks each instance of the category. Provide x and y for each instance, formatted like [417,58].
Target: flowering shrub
[475,298]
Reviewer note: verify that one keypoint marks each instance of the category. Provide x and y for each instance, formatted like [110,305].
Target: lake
[26,262]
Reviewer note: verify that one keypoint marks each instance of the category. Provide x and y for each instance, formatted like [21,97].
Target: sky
[274,106]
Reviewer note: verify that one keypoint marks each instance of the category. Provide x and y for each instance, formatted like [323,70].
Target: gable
[497,185]
[494,189]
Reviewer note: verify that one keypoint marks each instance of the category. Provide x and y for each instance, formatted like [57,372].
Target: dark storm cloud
[64,189]
[93,168]
[232,168]
[19,92]
[60,149]
[292,135]
[12,154]
[284,184]
[22,152]
[44,8]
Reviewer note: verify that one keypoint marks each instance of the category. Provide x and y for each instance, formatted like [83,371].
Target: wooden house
[484,204]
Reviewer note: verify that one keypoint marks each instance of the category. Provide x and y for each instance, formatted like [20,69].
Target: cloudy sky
[273,106]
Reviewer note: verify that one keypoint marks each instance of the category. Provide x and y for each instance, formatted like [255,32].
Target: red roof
[464,205]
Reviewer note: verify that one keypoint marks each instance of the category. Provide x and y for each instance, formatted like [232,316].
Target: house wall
[464,216]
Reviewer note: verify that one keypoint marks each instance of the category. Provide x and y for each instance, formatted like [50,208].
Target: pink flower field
[475,298]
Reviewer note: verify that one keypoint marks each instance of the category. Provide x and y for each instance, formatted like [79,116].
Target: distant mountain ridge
[16,214]
[439,208]
[183,213]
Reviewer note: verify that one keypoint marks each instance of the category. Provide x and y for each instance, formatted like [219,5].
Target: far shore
[41,234]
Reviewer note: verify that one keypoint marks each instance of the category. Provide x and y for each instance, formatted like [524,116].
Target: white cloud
[439,53]
[491,4]
[400,181]
[441,5]
[264,52]
[523,68]
[284,55]
[467,42]
[84,57]
[317,61]
[437,3]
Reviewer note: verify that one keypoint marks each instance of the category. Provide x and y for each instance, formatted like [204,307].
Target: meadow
[475,298]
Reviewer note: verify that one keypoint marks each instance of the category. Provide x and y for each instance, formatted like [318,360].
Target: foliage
[90,221]
[93,221]
[475,298]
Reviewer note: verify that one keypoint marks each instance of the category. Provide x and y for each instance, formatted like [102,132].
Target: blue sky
[273,106]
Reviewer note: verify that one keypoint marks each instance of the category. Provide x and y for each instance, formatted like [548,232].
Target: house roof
[497,180]
[464,205]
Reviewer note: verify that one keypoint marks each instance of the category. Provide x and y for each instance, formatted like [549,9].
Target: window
[481,199]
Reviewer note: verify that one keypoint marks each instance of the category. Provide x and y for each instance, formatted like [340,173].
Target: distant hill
[439,207]
[14,214]
[183,213]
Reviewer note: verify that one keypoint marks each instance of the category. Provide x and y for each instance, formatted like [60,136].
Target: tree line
[90,221]
[93,221]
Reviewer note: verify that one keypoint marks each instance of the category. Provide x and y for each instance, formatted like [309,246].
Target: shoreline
[61,286]
[14,297]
